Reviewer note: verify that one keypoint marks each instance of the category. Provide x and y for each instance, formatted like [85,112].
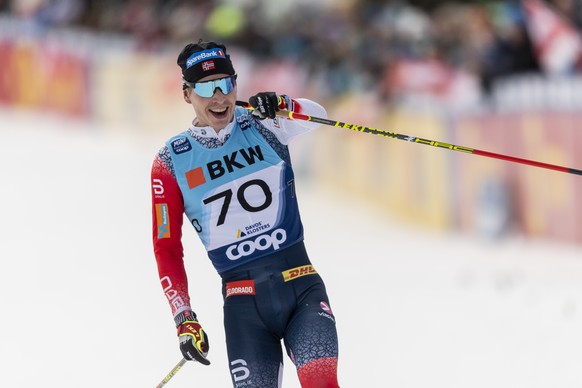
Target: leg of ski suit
[279,297]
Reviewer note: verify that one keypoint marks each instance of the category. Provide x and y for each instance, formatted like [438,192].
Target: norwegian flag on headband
[557,44]
[208,65]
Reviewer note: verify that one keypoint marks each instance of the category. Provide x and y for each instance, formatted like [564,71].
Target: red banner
[34,75]
[541,203]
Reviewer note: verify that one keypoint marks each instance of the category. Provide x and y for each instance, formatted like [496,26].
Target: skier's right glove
[193,340]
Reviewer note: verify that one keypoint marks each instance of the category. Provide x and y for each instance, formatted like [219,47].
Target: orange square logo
[195,177]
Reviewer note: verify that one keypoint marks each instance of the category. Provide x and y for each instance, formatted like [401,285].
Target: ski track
[82,305]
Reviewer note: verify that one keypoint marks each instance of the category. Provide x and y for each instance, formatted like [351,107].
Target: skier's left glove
[193,340]
[267,104]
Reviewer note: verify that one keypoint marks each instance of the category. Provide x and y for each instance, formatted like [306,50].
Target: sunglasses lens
[229,84]
[206,89]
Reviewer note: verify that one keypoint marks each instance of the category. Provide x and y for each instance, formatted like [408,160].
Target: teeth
[218,110]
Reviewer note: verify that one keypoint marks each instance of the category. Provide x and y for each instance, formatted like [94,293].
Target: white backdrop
[82,306]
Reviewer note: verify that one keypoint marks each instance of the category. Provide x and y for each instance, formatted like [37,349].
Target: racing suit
[237,190]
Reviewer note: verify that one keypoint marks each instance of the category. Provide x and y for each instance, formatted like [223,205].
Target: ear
[186,95]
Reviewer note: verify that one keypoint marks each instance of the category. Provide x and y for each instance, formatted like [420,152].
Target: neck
[196,123]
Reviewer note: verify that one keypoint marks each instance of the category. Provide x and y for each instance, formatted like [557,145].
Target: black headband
[203,63]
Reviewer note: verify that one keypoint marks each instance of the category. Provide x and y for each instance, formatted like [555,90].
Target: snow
[82,306]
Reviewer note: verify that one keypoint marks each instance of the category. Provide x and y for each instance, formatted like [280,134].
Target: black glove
[193,340]
[267,104]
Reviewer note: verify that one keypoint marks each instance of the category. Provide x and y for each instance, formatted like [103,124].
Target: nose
[218,95]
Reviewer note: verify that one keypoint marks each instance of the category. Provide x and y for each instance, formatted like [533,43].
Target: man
[231,174]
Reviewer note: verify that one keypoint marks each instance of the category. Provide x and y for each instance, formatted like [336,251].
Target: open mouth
[219,113]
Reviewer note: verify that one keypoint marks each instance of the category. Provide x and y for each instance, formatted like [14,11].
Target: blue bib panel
[239,197]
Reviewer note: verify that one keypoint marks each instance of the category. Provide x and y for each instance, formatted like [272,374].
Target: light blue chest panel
[239,197]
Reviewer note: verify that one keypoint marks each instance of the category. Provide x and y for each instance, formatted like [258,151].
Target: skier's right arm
[167,219]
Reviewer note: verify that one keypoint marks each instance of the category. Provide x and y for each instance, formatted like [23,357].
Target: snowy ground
[82,307]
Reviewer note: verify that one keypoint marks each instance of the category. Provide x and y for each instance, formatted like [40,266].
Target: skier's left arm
[267,104]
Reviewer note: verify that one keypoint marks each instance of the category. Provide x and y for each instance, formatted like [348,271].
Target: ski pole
[172,373]
[414,139]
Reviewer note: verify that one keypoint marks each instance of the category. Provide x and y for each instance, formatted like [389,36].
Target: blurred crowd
[352,43]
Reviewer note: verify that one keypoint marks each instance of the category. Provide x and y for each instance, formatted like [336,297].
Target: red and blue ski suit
[237,189]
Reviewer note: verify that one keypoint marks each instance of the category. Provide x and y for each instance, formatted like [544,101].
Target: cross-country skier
[231,174]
